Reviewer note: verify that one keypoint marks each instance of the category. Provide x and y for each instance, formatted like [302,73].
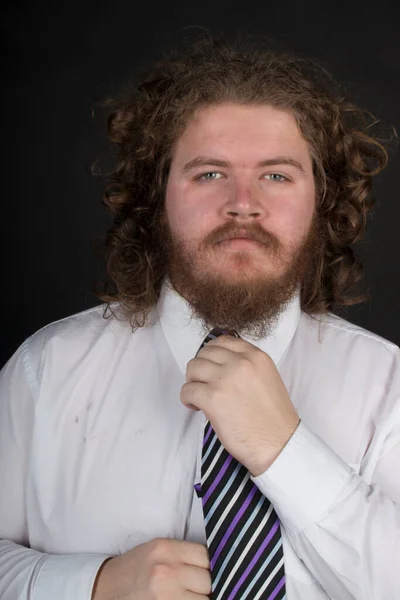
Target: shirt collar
[184,333]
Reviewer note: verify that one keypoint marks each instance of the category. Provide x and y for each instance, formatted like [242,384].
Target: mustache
[252,231]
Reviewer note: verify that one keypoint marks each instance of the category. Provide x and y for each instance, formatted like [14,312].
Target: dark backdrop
[61,58]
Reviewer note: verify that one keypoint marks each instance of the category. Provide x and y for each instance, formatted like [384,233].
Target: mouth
[240,242]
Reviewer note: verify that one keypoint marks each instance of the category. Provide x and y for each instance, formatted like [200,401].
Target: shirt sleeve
[346,531]
[26,573]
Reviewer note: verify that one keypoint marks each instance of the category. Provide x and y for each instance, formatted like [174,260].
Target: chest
[111,467]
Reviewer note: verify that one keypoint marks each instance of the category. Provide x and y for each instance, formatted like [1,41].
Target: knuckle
[245,365]
[263,354]
[158,578]
[159,548]
[161,573]
[184,391]
[190,365]
[207,584]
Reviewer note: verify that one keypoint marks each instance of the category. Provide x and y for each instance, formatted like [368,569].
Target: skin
[207,197]
[162,569]
[235,384]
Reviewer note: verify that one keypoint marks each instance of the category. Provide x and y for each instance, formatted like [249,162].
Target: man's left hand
[239,389]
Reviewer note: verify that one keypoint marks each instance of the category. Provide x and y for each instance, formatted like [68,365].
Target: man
[143,457]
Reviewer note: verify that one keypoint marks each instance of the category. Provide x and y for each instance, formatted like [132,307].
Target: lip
[240,242]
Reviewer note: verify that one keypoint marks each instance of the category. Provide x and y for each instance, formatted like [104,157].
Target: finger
[201,369]
[195,579]
[231,343]
[214,353]
[193,393]
[192,553]
[192,596]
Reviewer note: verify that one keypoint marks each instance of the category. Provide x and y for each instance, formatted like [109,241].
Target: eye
[277,177]
[209,176]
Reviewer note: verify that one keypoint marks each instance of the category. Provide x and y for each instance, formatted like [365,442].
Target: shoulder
[340,338]
[80,329]
[60,346]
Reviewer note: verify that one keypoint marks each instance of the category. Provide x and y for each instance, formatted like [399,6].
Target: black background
[58,60]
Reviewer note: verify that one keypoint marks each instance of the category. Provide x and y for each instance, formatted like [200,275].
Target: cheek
[293,218]
[186,215]
[175,207]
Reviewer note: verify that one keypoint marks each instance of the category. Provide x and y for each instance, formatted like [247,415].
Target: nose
[243,202]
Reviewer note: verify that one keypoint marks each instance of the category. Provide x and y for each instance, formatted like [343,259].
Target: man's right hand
[163,569]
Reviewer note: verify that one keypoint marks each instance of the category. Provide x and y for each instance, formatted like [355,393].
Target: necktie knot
[216,332]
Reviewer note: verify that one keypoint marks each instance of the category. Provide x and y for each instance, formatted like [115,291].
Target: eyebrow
[216,162]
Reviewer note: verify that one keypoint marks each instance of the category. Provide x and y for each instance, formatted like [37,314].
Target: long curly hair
[148,118]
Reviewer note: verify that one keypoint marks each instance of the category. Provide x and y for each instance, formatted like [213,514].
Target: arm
[24,572]
[346,531]
[345,528]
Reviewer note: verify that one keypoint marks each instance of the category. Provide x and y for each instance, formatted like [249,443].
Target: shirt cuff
[304,480]
[67,576]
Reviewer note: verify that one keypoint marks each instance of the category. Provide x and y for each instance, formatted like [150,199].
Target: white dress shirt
[98,454]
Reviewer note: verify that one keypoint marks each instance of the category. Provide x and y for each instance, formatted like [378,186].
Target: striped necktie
[242,528]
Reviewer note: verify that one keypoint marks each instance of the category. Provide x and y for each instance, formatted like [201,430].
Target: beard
[243,295]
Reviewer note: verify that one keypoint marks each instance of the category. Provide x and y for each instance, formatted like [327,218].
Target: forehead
[245,132]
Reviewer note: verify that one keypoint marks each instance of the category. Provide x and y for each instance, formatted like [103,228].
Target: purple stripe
[232,526]
[254,560]
[278,587]
[207,435]
[217,479]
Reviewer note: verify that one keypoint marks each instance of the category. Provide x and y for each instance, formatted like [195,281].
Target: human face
[217,178]
[241,172]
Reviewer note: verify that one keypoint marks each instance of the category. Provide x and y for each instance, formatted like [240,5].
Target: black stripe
[213,451]
[243,542]
[227,497]
[210,438]
[272,584]
[224,499]
[231,515]
[215,470]
[271,566]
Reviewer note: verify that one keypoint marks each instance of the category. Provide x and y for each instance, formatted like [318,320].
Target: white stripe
[261,570]
[265,584]
[208,450]
[238,540]
[228,508]
[242,556]
[222,493]
[216,457]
